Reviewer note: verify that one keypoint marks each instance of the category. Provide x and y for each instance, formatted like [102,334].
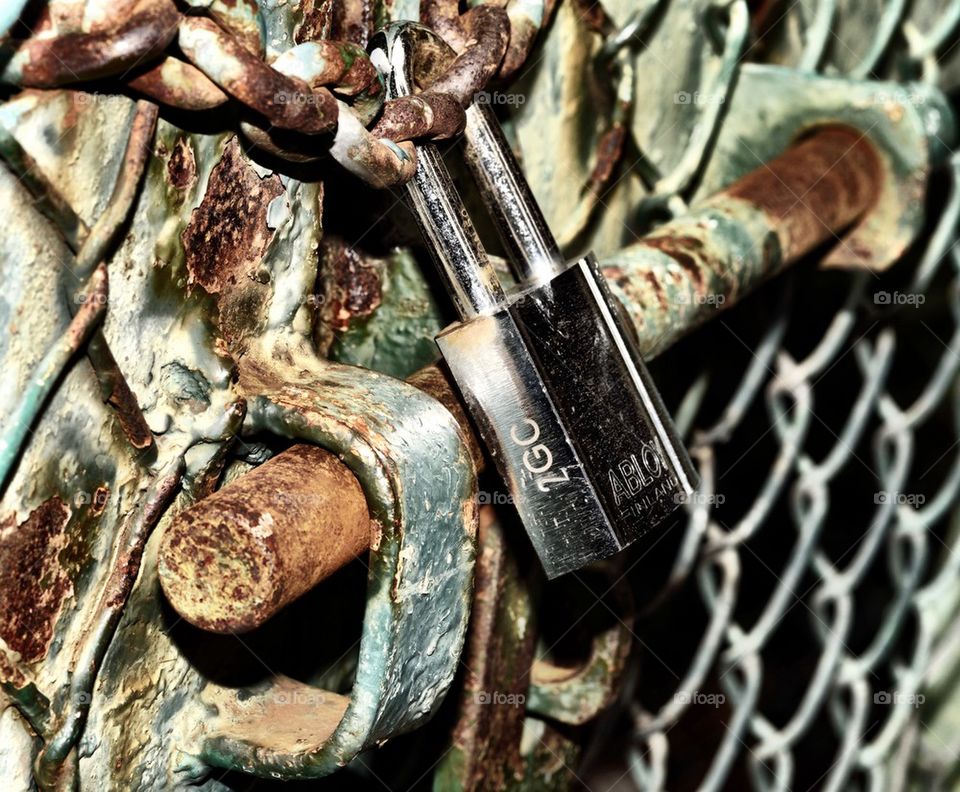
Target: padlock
[558,391]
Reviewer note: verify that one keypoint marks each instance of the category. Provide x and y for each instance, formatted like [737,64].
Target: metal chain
[316,98]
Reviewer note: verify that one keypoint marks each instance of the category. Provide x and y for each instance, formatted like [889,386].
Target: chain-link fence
[806,635]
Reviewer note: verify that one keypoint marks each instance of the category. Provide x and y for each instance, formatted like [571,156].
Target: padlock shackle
[443,220]
[441,215]
[531,245]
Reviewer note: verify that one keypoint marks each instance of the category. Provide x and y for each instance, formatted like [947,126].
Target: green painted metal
[420,574]
[397,338]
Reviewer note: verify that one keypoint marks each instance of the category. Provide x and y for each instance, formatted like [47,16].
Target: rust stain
[227,234]
[593,16]
[816,188]
[146,29]
[348,21]
[226,240]
[687,251]
[182,165]
[10,675]
[487,31]
[286,102]
[437,115]
[235,558]
[522,35]
[351,284]
[609,151]
[317,21]
[656,289]
[353,21]
[497,657]
[34,582]
[100,497]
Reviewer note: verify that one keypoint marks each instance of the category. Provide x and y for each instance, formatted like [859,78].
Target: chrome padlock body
[531,447]
[573,424]
[557,389]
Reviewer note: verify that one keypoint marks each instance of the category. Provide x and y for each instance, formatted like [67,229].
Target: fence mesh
[806,635]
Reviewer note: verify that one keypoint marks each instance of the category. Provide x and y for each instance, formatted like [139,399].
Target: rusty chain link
[316,98]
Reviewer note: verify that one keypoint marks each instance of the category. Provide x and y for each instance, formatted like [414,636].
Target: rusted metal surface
[150,726]
[56,766]
[238,556]
[87,294]
[575,693]
[113,385]
[32,575]
[179,84]
[374,422]
[350,289]
[440,115]
[816,189]
[291,94]
[286,102]
[485,34]
[834,185]
[92,305]
[227,236]
[450,79]
[508,694]
[485,746]
[374,311]
[348,21]
[240,18]
[142,29]
[430,566]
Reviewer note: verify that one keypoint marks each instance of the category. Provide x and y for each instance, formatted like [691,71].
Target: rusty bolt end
[238,556]
[226,579]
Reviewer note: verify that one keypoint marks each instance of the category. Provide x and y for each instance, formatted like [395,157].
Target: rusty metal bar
[815,189]
[238,556]
[93,303]
[687,270]
[286,102]
[56,766]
